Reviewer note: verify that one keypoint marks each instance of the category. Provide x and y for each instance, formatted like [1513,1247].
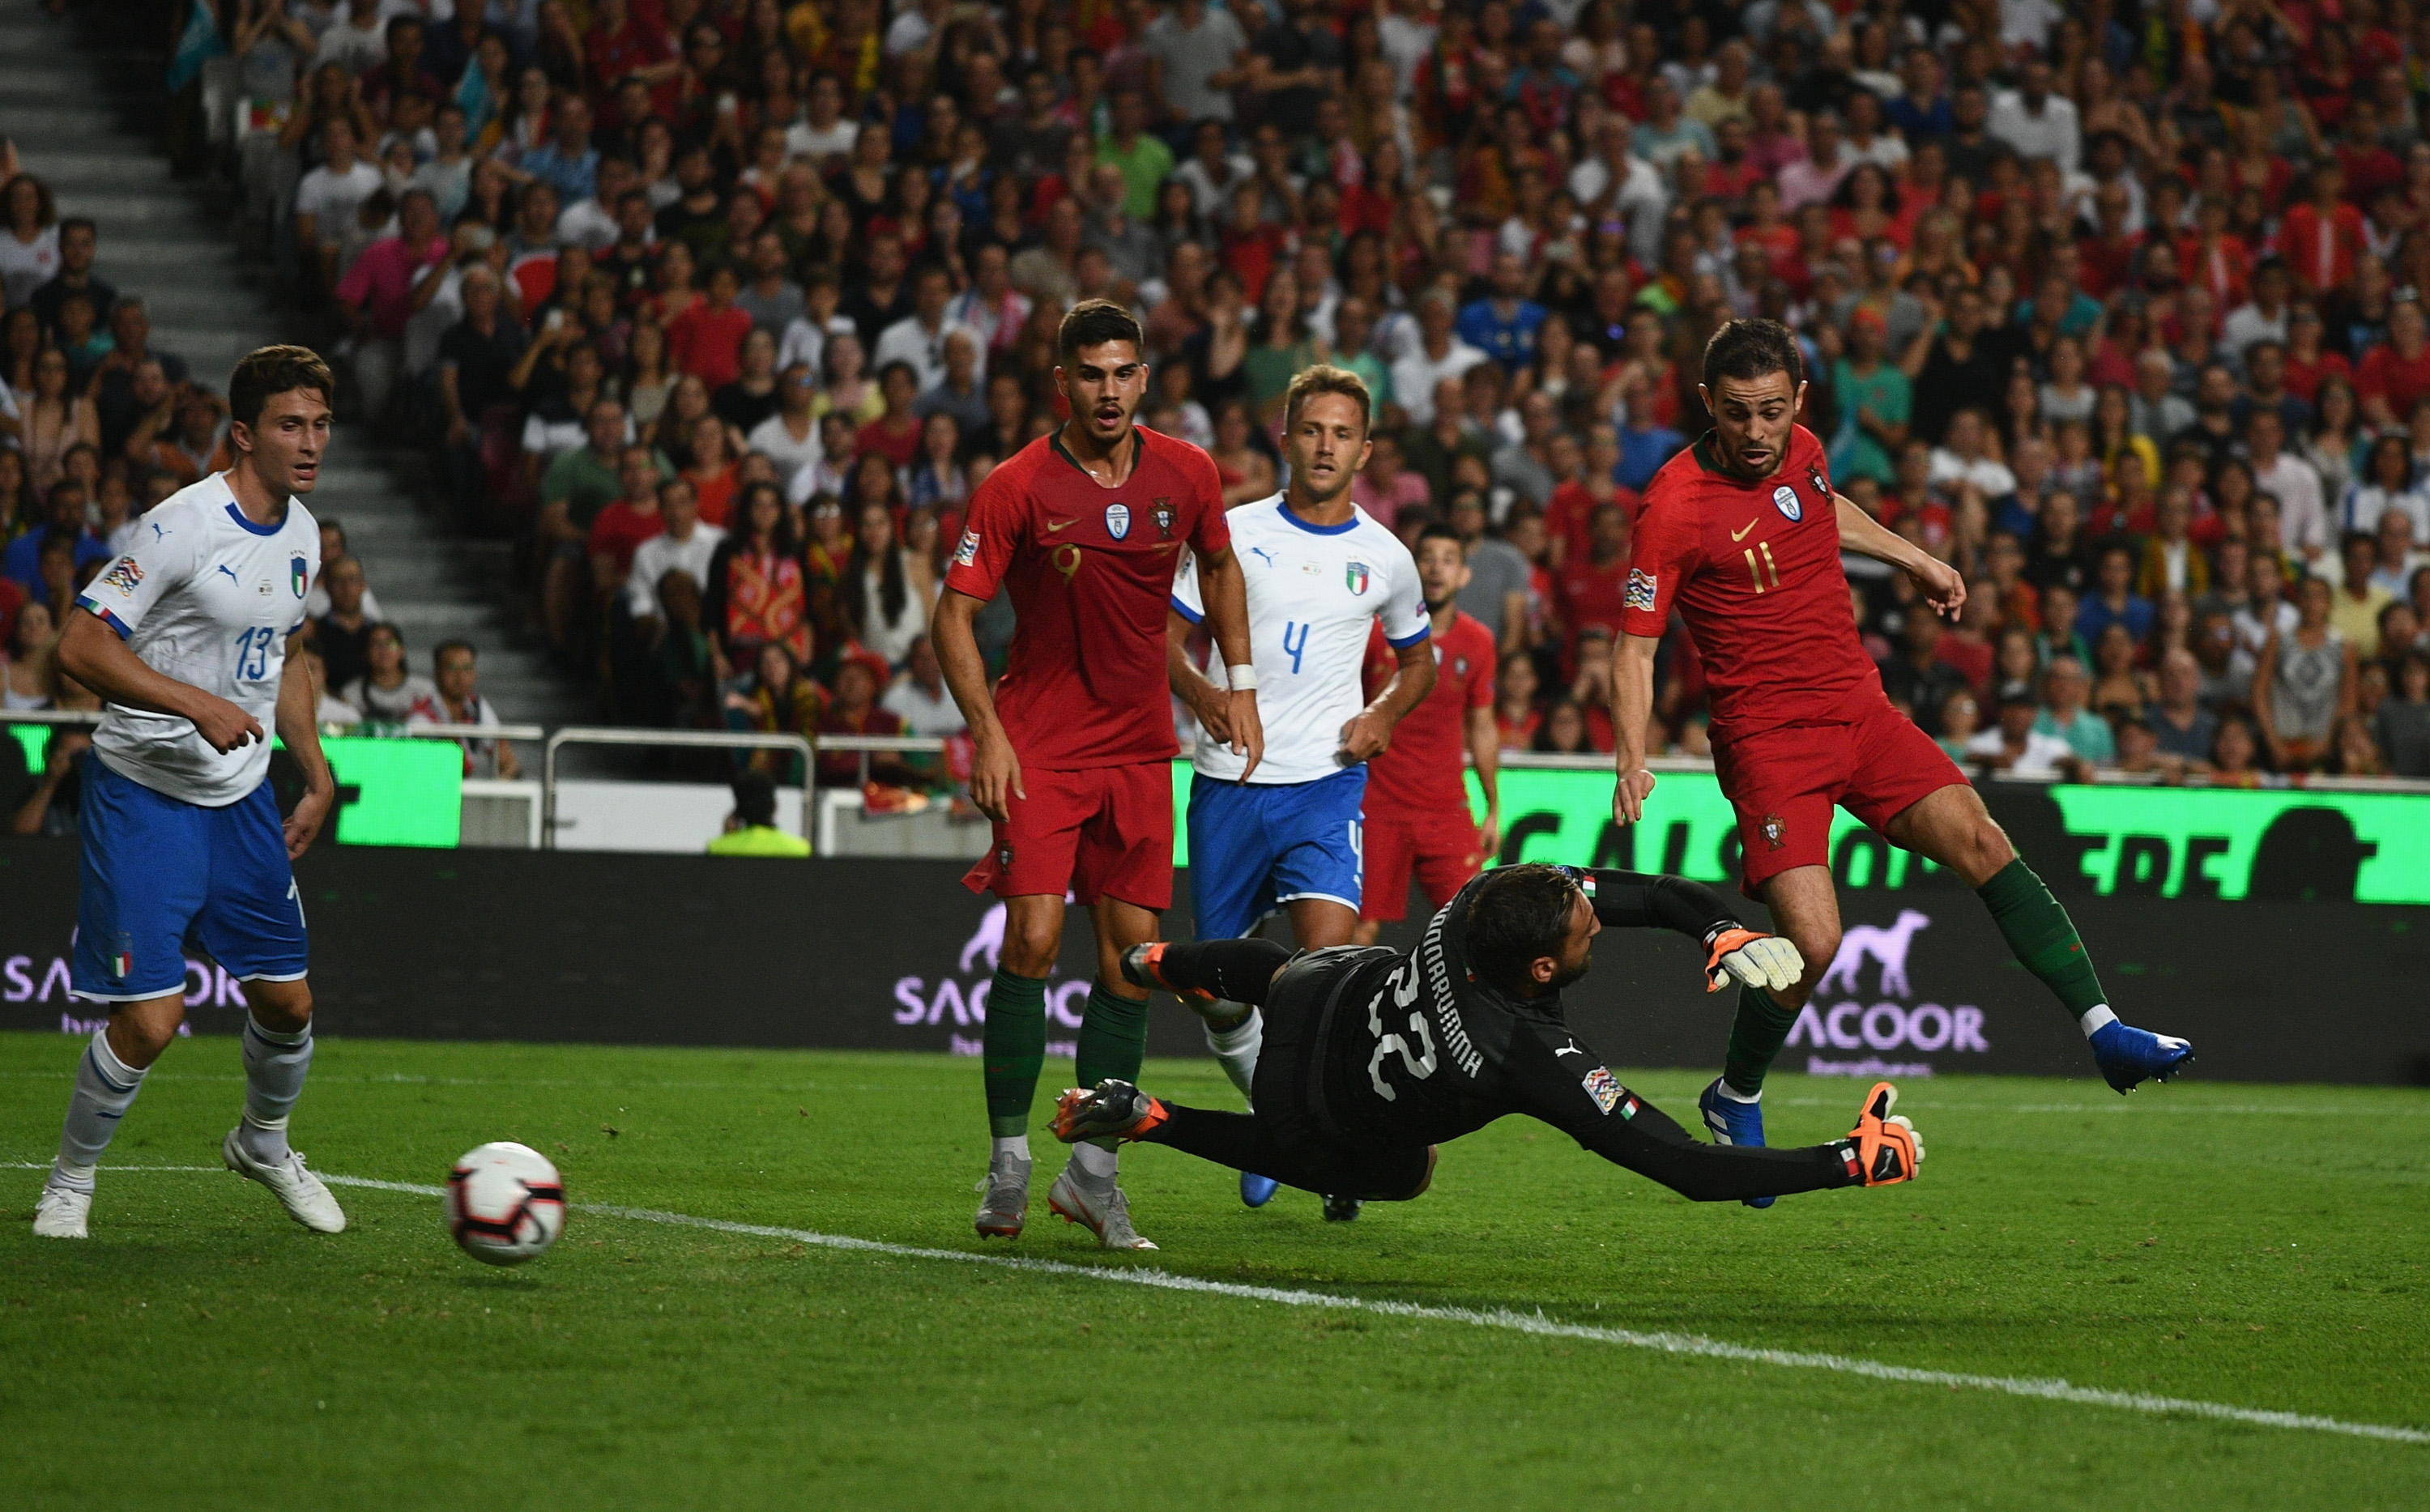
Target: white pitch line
[1538,1326]
[1533,1323]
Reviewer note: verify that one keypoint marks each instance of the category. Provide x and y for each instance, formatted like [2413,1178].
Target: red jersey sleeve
[1212,532]
[992,531]
[1661,556]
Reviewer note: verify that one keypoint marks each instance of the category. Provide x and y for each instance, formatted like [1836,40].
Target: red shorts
[1100,832]
[1440,849]
[1783,783]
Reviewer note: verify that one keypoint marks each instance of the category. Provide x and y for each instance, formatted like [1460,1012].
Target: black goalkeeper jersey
[1418,1050]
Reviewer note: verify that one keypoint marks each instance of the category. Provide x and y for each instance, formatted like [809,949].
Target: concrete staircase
[82,101]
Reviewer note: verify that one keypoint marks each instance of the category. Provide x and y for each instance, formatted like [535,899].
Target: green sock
[1757,1035]
[1113,1041]
[2042,936]
[1014,1046]
[1113,1037]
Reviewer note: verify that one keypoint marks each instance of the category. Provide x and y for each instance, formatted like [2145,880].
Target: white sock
[2096,1018]
[1094,1161]
[274,1064]
[1736,1096]
[1016,1146]
[1237,1048]
[105,1089]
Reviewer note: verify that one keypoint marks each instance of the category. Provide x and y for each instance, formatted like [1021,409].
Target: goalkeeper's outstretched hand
[1751,959]
[1882,1147]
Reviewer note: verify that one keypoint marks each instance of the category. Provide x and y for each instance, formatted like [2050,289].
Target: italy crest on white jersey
[1313,590]
[204,595]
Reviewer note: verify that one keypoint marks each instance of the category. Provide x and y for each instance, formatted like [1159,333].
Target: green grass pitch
[2260,1247]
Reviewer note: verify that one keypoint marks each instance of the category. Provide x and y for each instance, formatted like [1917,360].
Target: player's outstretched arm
[1565,1083]
[1632,706]
[995,768]
[302,735]
[91,653]
[1733,951]
[1226,591]
[1943,587]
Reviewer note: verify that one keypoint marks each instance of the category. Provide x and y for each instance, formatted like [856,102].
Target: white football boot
[298,1191]
[1105,1210]
[59,1213]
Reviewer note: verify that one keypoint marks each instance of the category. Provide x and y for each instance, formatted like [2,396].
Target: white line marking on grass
[1534,1324]
[44,1165]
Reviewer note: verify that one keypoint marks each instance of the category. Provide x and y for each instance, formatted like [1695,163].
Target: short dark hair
[439,652]
[1093,323]
[1520,915]
[755,798]
[274,370]
[1326,378]
[1751,348]
[1437,530]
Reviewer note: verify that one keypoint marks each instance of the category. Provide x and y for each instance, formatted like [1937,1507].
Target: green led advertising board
[2169,842]
[391,793]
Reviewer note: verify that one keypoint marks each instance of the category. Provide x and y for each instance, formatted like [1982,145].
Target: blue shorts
[157,869]
[1253,849]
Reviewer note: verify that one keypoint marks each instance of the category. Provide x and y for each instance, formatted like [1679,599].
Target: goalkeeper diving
[1373,1057]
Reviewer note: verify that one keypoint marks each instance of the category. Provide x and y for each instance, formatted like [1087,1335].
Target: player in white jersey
[1321,572]
[187,636]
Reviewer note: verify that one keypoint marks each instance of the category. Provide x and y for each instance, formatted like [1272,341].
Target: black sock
[1237,970]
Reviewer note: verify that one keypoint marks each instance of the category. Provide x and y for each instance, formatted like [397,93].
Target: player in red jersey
[1416,816]
[1742,534]
[1083,527]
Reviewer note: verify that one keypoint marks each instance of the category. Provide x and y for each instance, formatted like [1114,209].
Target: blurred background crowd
[720,310]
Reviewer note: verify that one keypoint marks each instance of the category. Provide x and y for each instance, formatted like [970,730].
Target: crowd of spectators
[723,307]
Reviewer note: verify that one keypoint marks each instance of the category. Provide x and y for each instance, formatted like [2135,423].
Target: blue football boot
[1731,1122]
[1256,1190]
[2128,1054]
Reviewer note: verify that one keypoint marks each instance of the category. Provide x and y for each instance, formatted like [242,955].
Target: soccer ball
[505,1203]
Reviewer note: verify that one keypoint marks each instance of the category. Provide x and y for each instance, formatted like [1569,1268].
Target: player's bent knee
[139,1032]
[1993,850]
[1818,947]
[280,1006]
[1031,950]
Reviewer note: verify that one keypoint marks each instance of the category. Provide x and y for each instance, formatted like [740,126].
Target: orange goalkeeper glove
[1882,1149]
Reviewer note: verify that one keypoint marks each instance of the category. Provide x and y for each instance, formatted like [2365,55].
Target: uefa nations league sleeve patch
[1640,592]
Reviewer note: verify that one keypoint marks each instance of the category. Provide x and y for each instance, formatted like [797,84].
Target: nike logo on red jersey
[1054,525]
[1740,534]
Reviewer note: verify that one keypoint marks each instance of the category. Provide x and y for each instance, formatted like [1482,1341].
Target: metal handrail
[922,744]
[665,739]
[423,731]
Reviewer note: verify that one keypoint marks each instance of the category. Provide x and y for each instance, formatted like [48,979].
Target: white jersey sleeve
[159,562]
[1314,591]
[210,598]
[1186,596]
[1404,611]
